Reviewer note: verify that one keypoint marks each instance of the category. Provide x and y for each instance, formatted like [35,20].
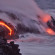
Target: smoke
[27,12]
[27,7]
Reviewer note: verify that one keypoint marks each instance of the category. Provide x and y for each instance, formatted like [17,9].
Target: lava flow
[50,31]
[45,19]
[2,23]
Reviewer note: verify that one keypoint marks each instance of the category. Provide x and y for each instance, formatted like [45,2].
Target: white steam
[26,11]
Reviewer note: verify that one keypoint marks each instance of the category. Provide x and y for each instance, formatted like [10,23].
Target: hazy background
[46,4]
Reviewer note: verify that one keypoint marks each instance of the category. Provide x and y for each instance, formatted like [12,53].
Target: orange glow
[46,18]
[50,31]
[2,23]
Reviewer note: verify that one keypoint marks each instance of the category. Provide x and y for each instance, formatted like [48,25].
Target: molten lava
[2,23]
[46,18]
[50,31]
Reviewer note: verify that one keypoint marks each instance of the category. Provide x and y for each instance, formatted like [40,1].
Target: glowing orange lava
[50,31]
[46,18]
[2,23]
